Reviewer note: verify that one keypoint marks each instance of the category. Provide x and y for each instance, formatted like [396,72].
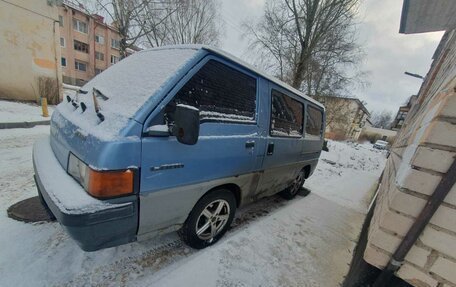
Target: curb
[21,125]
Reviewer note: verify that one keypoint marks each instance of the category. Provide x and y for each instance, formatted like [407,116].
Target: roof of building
[420,16]
[235,59]
[358,101]
[80,8]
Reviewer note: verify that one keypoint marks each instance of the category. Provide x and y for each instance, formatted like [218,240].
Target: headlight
[101,183]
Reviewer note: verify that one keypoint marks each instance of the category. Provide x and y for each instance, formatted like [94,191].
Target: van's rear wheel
[291,191]
[210,219]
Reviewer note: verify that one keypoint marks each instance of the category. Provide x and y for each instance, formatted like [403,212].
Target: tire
[291,191]
[210,218]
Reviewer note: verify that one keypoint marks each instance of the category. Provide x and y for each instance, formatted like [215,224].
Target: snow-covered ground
[343,174]
[304,242]
[14,112]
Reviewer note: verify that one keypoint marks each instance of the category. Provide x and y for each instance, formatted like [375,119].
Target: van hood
[123,90]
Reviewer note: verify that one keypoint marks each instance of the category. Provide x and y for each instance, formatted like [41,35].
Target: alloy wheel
[212,219]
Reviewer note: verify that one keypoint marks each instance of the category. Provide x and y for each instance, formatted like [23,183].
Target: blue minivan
[173,138]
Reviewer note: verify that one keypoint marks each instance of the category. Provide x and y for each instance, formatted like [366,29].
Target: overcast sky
[388,53]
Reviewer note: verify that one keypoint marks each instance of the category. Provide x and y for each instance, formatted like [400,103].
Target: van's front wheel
[210,219]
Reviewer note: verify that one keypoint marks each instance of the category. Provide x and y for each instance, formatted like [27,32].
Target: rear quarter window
[286,116]
[314,122]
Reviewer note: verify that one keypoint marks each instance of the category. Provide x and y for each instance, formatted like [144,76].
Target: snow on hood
[127,85]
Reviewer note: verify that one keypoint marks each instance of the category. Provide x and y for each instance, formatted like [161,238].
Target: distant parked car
[381,145]
[174,138]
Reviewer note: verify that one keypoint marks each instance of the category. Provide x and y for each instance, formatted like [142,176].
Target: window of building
[81,47]
[314,121]
[60,20]
[62,42]
[80,66]
[114,59]
[221,93]
[63,62]
[115,43]
[97,71]
[286,116]
[99,56]
[80,26]
[99,39]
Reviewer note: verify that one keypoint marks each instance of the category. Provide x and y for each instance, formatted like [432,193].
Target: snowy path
[11,112]
[304,242]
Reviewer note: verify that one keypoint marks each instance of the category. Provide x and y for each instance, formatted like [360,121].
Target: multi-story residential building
[402,114]
[29,50]
[345,117]
[88,44]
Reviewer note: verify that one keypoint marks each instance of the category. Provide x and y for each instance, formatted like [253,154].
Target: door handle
[250,144]
[270,149]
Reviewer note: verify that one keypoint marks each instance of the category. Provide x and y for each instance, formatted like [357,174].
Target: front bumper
[94,224]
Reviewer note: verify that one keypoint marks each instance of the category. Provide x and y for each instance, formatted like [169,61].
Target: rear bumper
[95,224]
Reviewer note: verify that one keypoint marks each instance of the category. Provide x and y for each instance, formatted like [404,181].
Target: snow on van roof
[235,59]
[127,86]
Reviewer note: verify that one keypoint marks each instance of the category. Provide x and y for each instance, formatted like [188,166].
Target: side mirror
[186,124]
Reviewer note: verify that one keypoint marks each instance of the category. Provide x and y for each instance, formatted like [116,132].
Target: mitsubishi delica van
[173,138]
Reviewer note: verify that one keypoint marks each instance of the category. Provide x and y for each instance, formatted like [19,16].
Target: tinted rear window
[314,121]
[286,115]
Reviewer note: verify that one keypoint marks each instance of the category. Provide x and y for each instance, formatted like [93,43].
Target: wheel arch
[234,188]
[306,170]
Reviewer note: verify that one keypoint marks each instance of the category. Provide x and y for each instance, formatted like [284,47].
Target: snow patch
[209,115]
[188,107]
[14,112]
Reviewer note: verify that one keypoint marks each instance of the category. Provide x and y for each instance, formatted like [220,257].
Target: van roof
[128,87]
[236,60]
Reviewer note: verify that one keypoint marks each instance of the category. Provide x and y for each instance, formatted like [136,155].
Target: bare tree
[381,119]
[182,22]
[308,43]
[129,17]
[162,22]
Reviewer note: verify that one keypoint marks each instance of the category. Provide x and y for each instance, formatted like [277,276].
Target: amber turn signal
[104,184]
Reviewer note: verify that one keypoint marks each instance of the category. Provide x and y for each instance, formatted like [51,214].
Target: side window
[314,121]
[220,93]
[286,116]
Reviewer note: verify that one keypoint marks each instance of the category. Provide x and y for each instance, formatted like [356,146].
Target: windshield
[123,89]
[379,142]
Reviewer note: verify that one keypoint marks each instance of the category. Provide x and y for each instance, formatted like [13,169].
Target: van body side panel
[174,175]
[170,207]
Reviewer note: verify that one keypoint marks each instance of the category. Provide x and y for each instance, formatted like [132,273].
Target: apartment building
[29,50]
[88,44]
[345,117]
[402,114]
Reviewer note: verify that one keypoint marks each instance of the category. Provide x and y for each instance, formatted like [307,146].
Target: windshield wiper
[96,105]
[99,94]
[75,100]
